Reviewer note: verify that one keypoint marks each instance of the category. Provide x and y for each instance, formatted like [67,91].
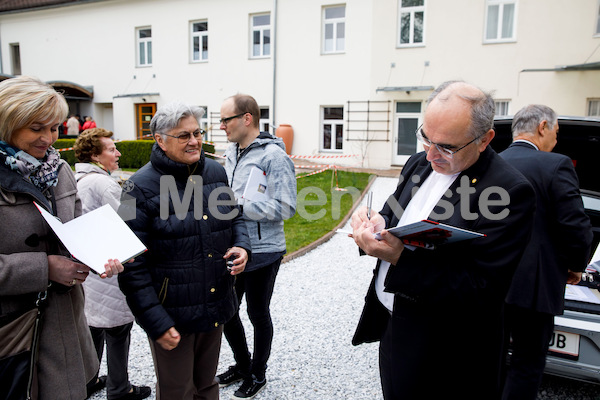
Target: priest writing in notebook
[438,312]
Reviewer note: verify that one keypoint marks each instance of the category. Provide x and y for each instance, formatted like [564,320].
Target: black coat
[182,279]
[448,304]
[562,232]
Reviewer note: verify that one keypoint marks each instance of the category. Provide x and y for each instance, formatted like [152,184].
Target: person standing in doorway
[88,124]
[73,126]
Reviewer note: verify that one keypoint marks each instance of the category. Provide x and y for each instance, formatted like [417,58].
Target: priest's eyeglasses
[444,149]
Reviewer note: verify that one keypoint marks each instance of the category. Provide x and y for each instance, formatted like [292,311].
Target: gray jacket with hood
[264,219]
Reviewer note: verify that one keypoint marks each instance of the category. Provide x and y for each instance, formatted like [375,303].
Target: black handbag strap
[40,304]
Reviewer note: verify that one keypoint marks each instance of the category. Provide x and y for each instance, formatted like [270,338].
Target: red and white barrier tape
[324,156]
[215,155]
[315,172]
[313,166]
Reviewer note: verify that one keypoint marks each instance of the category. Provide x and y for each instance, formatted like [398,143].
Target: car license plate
[564,343]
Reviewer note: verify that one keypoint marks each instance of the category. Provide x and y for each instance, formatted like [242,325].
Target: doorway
[407,120]
[144,114]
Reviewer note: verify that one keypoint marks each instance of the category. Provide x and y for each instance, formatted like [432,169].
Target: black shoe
[232,375]
[137,393]
[249,388]
[96,386]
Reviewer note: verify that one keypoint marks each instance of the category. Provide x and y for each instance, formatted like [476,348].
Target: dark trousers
[258,286]
[117,341]
[188,371]
[531,332]
[425,355]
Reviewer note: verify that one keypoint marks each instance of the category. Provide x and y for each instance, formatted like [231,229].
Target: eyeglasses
[186,136]
[443,149]
[224,121]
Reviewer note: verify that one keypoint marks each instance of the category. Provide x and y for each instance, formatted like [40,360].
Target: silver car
[575,346]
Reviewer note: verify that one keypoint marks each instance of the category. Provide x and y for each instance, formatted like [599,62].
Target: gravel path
[316,304]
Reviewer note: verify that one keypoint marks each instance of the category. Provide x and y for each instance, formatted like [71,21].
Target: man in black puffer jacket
[181,290]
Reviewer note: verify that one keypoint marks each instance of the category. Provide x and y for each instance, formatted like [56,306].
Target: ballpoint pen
[369,204]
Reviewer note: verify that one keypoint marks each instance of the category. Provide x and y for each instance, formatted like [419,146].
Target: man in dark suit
[557,252]
[438,313]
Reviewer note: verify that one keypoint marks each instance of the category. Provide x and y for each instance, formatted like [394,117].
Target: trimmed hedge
[134,153]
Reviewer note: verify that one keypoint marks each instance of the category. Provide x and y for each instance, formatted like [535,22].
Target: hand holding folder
[96,237]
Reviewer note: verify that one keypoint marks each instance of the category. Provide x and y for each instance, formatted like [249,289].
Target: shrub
[68,156]
[134,153]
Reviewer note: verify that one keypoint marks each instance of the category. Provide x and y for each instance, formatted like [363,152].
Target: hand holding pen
[367,215]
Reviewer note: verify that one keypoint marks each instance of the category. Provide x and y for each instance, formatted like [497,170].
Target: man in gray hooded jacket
[250,150]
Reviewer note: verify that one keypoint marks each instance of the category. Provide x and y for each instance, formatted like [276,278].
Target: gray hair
[168,116]
[482,106]
[529,117]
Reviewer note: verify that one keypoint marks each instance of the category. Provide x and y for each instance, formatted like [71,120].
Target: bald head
[479,104]
[458,118]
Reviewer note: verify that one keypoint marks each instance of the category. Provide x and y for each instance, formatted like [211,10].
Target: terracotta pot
[286,132]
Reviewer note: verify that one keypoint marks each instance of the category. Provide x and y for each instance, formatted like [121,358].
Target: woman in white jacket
[108,315]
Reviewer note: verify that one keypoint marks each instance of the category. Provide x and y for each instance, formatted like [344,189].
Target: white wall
[93,44]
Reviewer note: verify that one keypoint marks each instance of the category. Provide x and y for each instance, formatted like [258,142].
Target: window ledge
[410,45]
[504,41]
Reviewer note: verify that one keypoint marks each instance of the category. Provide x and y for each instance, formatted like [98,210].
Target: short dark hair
[246,104]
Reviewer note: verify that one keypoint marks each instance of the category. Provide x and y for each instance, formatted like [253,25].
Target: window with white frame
[144,46]
[15,58]
[593,108]
[502,107]
[598,21]
[204,120]
[500,21]
[334,29]
[332,128]
[265,120]
[199,40]
[411,21]
[261,35]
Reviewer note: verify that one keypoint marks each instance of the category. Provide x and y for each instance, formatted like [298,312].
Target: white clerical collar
[526,141]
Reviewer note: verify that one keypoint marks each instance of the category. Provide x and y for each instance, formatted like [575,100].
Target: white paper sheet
[256,188]
[594,265]
[96,237]
[581,293]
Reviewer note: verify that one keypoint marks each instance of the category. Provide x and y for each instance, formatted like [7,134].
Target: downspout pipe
[274,47]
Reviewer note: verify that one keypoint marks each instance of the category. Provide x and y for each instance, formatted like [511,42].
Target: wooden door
[144,113]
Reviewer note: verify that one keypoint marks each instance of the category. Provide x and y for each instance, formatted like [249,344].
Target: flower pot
[286,132]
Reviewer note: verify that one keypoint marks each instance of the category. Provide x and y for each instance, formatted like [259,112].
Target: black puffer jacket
[182,279]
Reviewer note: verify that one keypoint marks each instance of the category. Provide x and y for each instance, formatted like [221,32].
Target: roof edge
[45,5]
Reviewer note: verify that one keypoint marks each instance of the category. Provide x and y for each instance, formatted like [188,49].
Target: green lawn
[320,208]
[312,221]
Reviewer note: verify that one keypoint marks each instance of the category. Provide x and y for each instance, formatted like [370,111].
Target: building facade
[351,78]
